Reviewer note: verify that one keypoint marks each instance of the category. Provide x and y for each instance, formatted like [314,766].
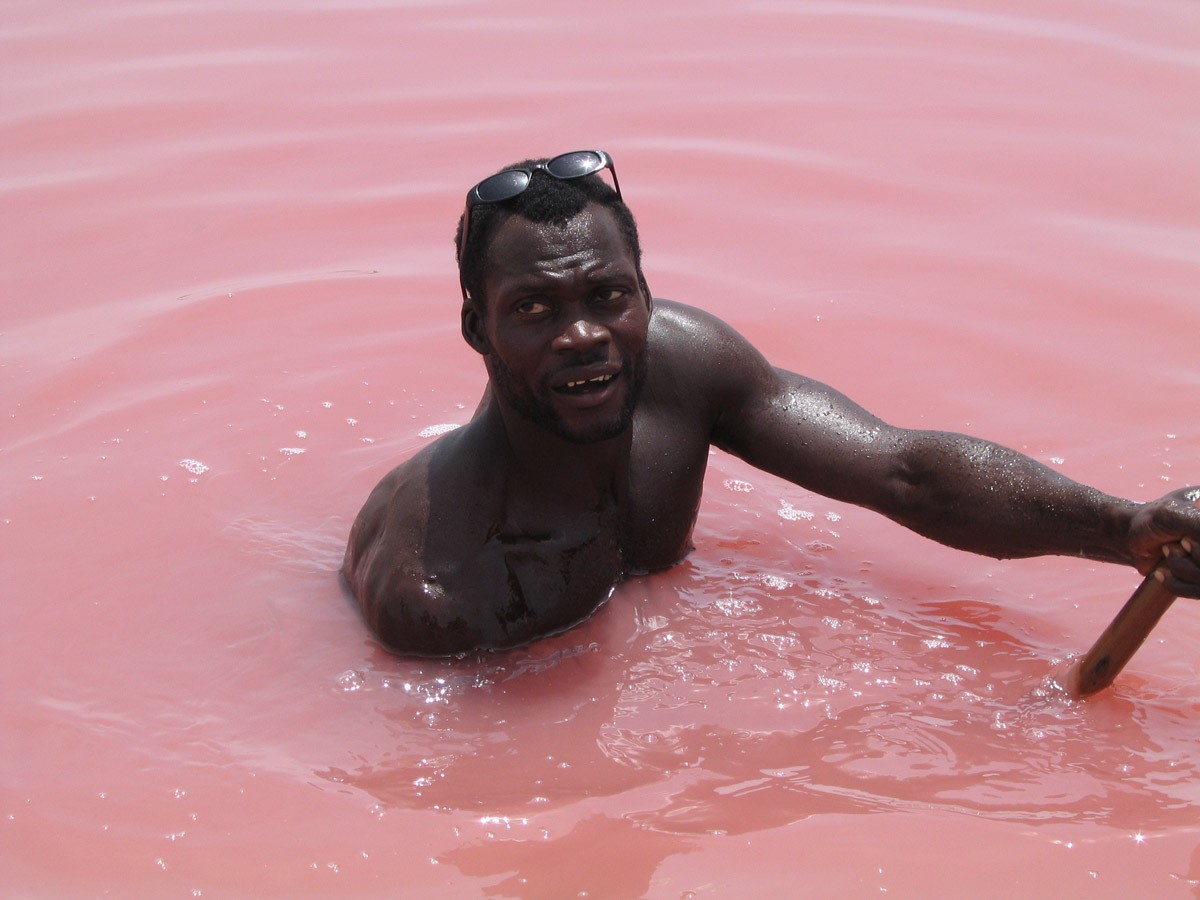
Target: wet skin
[585,460]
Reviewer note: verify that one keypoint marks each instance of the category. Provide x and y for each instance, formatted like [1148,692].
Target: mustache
[595,357]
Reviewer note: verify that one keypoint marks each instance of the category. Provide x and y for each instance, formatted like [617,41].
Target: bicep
[814,436]
[781,422]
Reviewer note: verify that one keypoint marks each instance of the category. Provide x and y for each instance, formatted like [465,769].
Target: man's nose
[582,335]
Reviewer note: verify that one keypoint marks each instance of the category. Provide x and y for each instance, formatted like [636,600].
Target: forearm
[982,497]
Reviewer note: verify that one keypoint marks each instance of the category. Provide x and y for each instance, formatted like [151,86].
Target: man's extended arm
[958,490]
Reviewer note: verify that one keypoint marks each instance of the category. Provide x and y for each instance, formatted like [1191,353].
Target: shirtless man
[585,459]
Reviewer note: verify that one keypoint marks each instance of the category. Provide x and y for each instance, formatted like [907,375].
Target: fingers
[1180,571]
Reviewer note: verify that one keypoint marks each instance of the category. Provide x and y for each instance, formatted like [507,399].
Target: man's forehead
[593,230]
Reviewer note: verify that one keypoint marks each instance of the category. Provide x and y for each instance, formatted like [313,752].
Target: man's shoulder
[692,344]
[681,320]
[449,461]
[425,517]
[686,329]
[396,517]
[391,520]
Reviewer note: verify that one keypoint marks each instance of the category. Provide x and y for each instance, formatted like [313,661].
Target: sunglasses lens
[574,165]
[502,186]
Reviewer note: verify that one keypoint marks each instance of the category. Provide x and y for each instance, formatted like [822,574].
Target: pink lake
[230,306]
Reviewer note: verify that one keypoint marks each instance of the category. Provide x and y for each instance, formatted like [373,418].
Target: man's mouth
[585,385]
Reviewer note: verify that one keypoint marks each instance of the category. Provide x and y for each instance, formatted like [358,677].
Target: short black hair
[547,199]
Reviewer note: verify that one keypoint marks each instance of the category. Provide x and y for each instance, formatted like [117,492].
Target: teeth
[599,379]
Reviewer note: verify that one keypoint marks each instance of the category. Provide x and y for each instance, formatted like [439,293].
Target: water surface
[229,307]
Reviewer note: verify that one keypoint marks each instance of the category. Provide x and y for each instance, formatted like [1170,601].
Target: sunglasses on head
[513,182]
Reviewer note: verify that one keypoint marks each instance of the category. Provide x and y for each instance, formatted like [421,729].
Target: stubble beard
[540,411]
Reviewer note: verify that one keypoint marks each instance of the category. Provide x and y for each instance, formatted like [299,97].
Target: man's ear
[473,330]
[646,291]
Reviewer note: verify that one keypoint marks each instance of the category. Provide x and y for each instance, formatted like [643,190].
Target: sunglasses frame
[504,186]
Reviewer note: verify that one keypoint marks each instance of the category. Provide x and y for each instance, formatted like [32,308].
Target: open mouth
[587,385]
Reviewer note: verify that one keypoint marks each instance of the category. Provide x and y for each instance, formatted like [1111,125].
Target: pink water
[229,307]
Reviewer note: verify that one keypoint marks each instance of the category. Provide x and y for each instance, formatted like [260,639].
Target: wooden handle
[1122,637]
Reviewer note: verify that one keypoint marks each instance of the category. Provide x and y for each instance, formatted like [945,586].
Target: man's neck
[540,464]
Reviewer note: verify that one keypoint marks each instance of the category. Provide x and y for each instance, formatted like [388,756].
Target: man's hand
[1170,528]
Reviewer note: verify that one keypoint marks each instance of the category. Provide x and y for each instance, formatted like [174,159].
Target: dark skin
[585,460]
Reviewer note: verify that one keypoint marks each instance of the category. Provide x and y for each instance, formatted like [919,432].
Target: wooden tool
[1121,638]
[1127,631]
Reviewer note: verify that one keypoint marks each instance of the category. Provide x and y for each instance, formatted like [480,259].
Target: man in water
[585,459]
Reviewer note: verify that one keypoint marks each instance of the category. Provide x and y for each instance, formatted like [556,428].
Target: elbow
[914,496]
[905,490]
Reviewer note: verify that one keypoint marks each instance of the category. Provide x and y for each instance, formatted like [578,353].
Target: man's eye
[610,295]
[531,307]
